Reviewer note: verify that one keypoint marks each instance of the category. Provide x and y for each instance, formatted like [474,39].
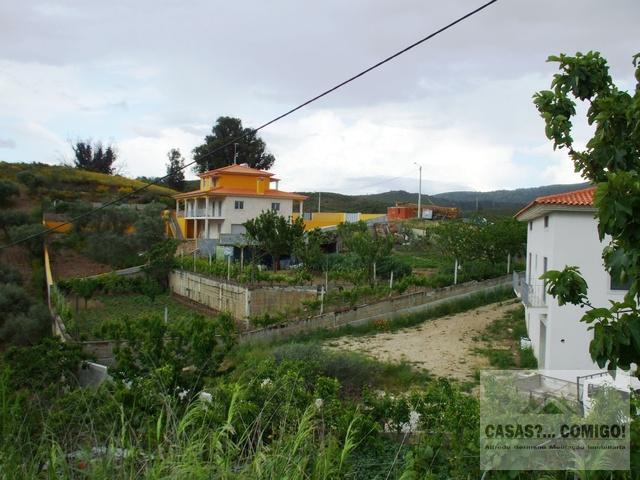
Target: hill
[498,201]
[57,182]
[505,200]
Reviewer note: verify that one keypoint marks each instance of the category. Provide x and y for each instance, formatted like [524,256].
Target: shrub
[8,274]
[27,328]
[30,180]
[267,319]
[528,359]
[32,237]
[8,189]
[389,264]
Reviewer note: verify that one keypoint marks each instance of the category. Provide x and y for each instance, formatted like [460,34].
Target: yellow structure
[331,219]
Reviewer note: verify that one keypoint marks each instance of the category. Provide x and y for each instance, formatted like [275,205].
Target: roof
[240,192]
[242,169]
[575,198]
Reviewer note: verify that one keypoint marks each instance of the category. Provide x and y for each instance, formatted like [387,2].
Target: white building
[562,231]
[228,197]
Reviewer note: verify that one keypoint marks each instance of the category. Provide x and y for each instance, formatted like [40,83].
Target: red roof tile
[580,198]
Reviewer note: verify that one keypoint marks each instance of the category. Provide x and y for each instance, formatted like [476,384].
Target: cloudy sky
[154,75]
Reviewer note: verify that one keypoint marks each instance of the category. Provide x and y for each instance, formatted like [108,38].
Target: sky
[148,76]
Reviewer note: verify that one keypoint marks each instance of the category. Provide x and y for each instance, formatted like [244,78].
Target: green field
[102,308]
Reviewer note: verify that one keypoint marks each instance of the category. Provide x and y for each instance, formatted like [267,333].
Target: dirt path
[444,347]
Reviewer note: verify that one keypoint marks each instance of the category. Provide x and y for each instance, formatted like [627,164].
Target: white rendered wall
[253,207]
[570,239]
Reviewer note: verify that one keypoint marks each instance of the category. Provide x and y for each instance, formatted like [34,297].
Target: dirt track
[444,347]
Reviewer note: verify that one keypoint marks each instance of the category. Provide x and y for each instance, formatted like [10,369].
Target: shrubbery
[23,321]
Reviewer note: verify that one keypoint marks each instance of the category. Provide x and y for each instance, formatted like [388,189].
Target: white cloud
[147,155]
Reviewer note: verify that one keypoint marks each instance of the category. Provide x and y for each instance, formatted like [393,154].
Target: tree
[94,157]
[367,248]
[611,160]
[175,170]
[308,249]
[8,189]
[12,218]
[274,234]
[251,149]
[30,180]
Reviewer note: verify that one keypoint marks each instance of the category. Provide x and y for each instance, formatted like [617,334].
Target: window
[546,221]
[531,225]
[239,205]
[616,284]
[275,206]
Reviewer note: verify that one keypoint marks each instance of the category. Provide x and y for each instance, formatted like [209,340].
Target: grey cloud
[7,143]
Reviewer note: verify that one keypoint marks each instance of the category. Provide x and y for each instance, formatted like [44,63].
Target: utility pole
[235,153]
[419,190]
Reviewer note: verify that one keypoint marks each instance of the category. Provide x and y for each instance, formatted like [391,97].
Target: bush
[27,328]
[389,264]
[8,189]
[353,370]
[8,274]
[528,359]
[32,237]
[30,180]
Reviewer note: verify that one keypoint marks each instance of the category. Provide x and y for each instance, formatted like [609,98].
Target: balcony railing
[532,295]
[199,213]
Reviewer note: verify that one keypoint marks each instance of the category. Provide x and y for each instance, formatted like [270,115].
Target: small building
[230,196]
[562,230]
[404,211]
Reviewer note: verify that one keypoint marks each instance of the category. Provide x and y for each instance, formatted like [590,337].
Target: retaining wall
[240,301]
[384,309]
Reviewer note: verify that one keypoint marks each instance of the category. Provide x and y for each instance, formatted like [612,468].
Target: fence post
[228,268]
[374,272]
[455,272]
[509,263]
[391,282]
[194,260]
[322,300]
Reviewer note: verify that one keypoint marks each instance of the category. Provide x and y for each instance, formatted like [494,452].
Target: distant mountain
[504,200]
[497,202]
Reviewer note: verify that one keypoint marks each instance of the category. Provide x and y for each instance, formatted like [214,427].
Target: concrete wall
[239,300]
[279,299]
[384,309]
[221,296]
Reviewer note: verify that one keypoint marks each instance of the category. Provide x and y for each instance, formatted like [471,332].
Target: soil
[445,347]
[67,263]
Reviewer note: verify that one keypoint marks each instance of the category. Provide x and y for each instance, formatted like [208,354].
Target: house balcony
[200,213]
[531,295]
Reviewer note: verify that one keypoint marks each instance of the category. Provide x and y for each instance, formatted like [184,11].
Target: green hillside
[67,183]
[498,201]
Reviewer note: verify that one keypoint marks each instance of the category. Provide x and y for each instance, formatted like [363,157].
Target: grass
[418,259]
[503,339]
[66,182]
[106,307]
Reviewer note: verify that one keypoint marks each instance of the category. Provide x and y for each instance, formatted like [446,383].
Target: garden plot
[446,347]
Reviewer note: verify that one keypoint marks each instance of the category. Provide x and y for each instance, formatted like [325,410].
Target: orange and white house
[230,196]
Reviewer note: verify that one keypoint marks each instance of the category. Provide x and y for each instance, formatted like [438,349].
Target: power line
[255,130]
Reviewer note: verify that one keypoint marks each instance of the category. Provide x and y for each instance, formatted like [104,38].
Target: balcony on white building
[531,295]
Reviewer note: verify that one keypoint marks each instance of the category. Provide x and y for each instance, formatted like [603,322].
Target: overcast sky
[154,75]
